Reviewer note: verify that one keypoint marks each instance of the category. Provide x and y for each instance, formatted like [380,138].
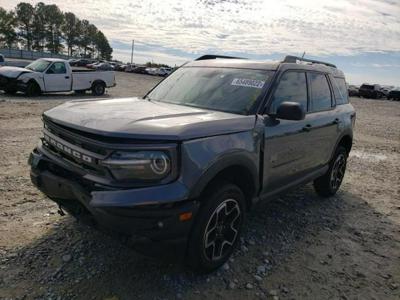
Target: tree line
[45,27]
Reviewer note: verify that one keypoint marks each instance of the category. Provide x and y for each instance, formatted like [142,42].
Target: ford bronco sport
[182,165]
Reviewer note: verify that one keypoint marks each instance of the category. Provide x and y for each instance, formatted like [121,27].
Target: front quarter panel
[37,77]
[202,159]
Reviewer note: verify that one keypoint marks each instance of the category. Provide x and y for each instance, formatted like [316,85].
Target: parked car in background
[121,68]
[53,75]
[104,66]
[72,61]
[151,71]
[372,91]
[2,60]
[83,62]
[130,67]
[140,70]
[385,89]
[394,94]
[164,71]
[113,65]
[353,91]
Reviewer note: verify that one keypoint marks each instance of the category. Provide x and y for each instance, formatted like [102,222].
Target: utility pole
[133,46]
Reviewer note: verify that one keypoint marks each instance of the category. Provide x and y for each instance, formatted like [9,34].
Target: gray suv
[179,168]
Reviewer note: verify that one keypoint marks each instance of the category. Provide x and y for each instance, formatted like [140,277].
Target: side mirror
[290,111]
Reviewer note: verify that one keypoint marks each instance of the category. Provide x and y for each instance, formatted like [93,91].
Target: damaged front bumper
[150,214]
[12,84]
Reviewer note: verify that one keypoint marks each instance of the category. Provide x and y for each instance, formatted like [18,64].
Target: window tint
[320,92]
[340,90]
[57,68]
[292,87]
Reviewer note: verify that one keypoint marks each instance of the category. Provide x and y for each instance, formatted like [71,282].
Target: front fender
[203,159]
[29,77]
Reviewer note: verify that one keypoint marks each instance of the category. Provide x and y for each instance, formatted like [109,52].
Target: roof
[266,65]
[235,63]
[51,59]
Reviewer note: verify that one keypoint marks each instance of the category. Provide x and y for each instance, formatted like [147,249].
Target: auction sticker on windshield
[254,83]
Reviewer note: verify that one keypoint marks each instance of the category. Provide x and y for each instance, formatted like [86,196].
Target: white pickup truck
[47,75]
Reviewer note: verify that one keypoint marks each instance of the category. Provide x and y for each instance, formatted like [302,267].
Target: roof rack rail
[294,59]
[210,56]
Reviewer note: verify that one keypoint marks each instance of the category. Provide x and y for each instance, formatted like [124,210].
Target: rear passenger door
[322,120]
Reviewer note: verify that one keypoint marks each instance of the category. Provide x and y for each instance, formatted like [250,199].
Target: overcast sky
[361,36]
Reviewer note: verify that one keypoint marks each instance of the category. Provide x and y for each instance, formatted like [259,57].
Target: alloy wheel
[338,170]
[222,229]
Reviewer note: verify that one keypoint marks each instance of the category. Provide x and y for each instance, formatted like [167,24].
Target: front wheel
[32,89]
[217,228]
[328,184]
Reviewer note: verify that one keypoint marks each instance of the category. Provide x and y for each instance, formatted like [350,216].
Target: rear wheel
[328,184]
[217,228]
[98,89]
[32,89]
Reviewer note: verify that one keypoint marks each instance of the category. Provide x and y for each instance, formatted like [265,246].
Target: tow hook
[60,211]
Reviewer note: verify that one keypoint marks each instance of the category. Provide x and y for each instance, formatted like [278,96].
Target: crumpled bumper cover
[7,83]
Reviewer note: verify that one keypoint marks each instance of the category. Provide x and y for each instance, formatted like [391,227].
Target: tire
[328,184]
[211,243]
[33,89]
[98,89]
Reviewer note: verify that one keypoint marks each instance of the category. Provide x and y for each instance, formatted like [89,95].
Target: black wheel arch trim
[228,160]
[341,137]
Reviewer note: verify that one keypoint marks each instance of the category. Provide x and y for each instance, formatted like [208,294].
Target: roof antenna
[304,53]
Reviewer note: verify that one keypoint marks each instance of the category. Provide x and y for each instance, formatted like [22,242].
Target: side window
[291,87]
[57,68]
[340,90]
[321,98]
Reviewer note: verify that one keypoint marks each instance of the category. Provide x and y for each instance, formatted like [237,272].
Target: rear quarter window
[321,98]
[340,91]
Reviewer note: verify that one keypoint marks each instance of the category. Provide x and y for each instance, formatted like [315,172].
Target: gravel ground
[295,247]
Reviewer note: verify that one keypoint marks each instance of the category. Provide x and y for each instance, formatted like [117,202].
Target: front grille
[74,150]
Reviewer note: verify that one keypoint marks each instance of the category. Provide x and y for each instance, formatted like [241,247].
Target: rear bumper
[138,213]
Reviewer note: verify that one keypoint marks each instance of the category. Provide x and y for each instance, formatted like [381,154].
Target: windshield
[38,65]
[224,89]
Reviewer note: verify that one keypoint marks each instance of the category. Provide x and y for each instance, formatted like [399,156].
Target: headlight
[139,165]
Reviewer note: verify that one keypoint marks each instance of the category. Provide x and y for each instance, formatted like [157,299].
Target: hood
[142,119]
[13,72]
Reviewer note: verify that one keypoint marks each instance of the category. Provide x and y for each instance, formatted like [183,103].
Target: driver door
[56,78]
[287,146]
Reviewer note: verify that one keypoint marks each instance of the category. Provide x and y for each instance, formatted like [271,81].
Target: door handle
[336,121]
[307,128]
[66,77]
